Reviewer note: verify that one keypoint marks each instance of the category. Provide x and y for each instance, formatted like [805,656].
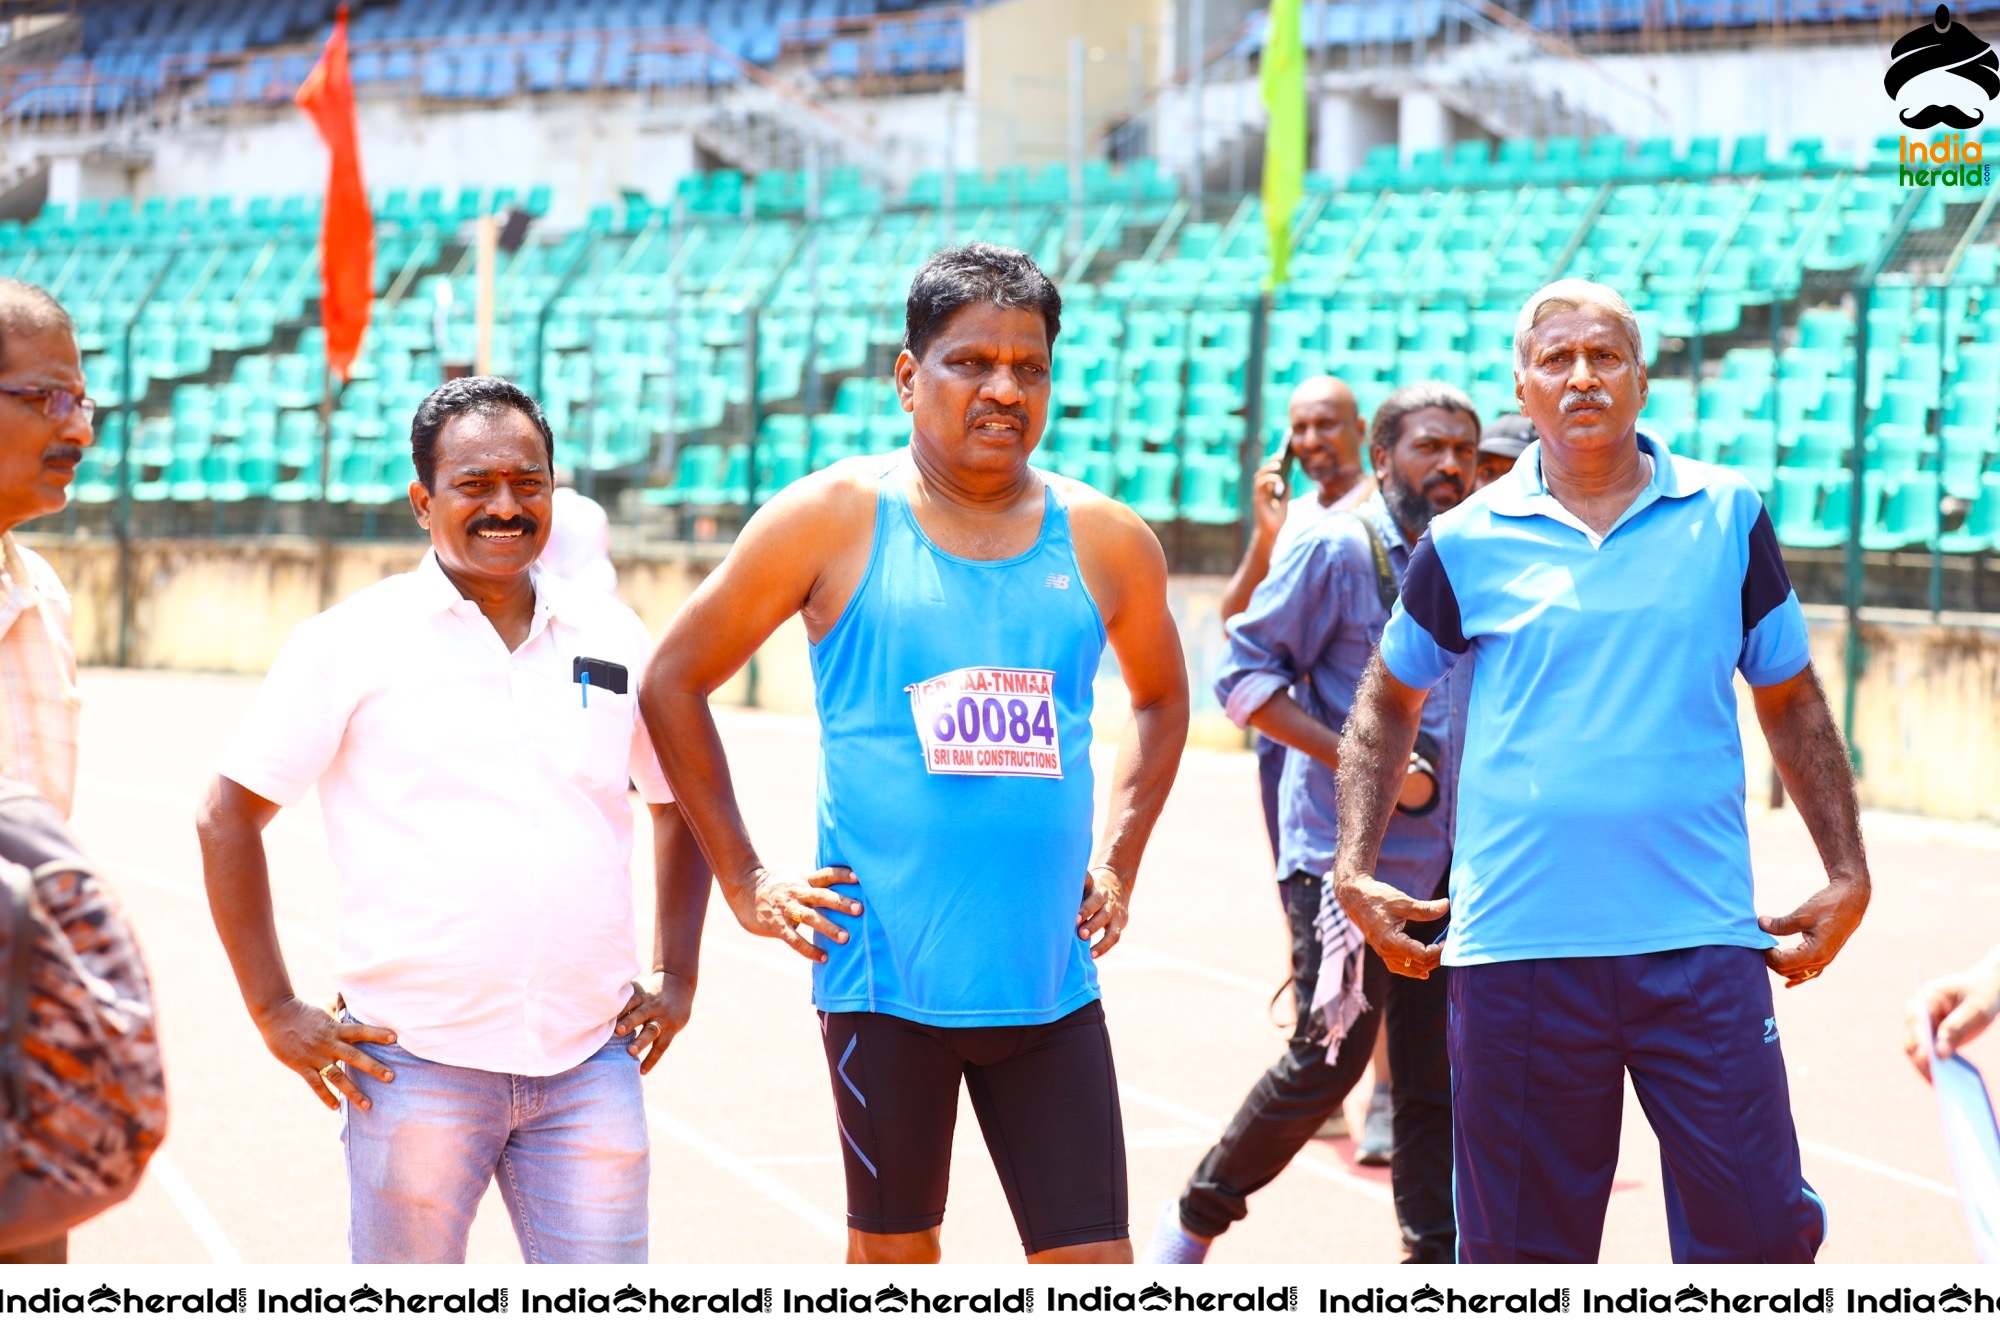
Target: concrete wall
[1017,71]
[1017,107]
[587,148]
[1927,715]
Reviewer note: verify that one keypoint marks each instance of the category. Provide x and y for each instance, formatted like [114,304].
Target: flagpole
[347,234]
[323,520]
[488,246]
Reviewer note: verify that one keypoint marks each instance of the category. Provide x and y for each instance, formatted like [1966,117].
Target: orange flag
[347,234]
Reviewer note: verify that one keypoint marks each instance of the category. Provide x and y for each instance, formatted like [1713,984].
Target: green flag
[1284,79]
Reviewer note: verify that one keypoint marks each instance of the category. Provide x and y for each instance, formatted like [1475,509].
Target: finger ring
[328,1071]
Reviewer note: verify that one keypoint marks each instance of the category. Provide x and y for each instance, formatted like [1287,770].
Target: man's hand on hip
[788,907]
[1379,911]
[1822,923]
[319,1048]
[659,1008]
[1107,906]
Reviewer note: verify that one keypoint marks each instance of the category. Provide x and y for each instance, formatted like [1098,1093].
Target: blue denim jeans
[569,1151]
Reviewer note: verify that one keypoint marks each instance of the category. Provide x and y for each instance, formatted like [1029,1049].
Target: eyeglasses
[57,404]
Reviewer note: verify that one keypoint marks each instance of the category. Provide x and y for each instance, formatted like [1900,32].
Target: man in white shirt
[579,549]
[44,429]
[471,729]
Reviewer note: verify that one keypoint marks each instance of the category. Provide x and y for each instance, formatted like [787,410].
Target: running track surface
[745,1164]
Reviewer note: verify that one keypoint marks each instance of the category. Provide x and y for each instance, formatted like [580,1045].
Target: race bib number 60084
[988,722]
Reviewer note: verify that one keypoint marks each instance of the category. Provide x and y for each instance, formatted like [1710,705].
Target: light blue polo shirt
[1601,799]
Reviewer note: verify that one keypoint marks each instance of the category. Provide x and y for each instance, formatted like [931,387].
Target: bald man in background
[1325,435]
[1325,432]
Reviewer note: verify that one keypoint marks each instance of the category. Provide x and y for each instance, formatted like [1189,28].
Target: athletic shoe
[1171,1244]
[1334,1126]
[1378,1136]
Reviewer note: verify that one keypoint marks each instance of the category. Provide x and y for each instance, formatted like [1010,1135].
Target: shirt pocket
[586,731]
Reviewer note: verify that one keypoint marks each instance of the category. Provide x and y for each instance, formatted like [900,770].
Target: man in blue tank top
[957,601]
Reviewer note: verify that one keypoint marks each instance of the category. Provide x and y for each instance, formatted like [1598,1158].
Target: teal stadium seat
[1148,485]
[1810,507]
[1906,516]
[1208,490]
[1981,530]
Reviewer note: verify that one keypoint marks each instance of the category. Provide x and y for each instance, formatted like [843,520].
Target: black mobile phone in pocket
[603,675]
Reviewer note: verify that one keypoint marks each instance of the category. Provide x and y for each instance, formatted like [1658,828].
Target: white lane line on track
[126,872]
[766,1184]
[1307,1161]
[1883,1169]
[206,1229]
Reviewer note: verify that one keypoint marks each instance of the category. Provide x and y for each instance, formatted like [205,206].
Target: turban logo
[1942,45]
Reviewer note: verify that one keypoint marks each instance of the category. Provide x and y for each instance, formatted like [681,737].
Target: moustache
[1012,414]
[524,525]
[1942,115]
[1594,398]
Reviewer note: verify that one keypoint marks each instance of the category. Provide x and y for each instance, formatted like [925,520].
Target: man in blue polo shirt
[1602,919]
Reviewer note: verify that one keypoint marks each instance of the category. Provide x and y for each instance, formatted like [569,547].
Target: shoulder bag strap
[1385,577]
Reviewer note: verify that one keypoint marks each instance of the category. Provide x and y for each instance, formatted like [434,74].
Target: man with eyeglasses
[44,429]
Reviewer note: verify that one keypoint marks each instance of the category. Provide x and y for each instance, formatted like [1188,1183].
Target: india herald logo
[1934,71]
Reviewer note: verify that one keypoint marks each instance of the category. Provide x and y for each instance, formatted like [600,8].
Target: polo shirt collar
[1522,492]
[436,592]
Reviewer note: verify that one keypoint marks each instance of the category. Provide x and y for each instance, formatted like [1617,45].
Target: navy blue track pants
[1539,1050]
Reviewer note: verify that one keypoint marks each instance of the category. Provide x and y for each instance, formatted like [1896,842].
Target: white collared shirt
[1306,510]
[476,810]
[38,694]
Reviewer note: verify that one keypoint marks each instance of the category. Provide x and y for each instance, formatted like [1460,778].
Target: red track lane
[745,1164]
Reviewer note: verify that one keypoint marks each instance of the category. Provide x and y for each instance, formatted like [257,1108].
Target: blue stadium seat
[440,74]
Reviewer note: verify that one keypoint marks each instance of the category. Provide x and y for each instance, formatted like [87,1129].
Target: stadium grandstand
[718,204]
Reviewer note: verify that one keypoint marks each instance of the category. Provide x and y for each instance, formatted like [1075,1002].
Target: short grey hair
[27,311]
[1388,425]
[1567,294]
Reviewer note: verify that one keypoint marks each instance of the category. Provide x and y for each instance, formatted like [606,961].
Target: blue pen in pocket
[589,671]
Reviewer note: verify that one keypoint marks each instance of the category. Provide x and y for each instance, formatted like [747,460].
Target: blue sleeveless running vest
[954,704]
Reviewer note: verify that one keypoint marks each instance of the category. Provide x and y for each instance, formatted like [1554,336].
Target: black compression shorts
[1047,1100]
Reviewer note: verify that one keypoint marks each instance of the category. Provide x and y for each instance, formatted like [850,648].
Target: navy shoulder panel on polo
[1766,584]
[1429,599]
